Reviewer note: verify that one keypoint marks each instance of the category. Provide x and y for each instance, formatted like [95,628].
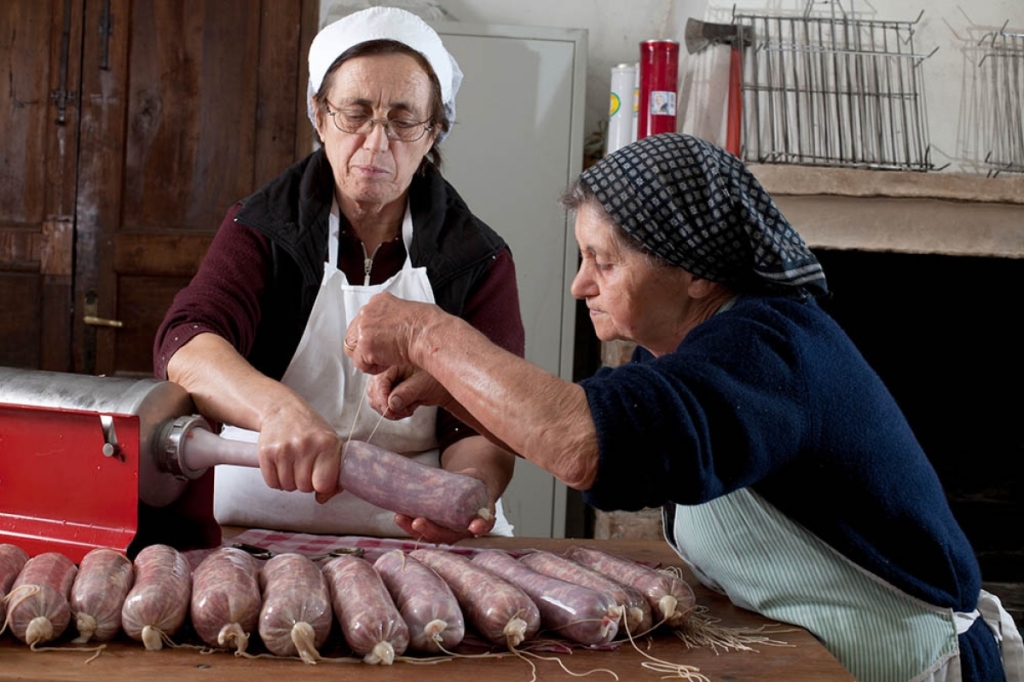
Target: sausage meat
[577,613]
[12,560]
[226,598]
[98,594]
[671,598]
[403,485]
[636,610]
[157,604]
[296,615]
[425,601]
[499,610]
[37,605]
[370,622]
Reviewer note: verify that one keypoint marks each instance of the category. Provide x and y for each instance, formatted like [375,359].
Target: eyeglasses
[402,130]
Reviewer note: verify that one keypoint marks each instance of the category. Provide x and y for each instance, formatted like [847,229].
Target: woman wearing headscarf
[788,477]
[256,337]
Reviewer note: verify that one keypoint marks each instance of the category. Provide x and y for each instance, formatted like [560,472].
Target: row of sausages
[419,601]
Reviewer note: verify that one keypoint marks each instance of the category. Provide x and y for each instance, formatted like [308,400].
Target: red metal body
[58,492]
[79,466]
[659,82]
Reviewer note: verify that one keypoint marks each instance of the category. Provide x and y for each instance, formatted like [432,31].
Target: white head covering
[383,23]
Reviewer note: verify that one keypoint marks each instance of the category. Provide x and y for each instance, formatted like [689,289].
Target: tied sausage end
[39,631]
[381,654]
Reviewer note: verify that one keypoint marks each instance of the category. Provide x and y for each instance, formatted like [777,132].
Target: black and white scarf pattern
[698,207]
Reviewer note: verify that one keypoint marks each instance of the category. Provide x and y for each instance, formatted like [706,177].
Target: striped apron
[765,562]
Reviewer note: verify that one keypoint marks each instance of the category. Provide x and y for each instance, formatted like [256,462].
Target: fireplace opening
[944,333]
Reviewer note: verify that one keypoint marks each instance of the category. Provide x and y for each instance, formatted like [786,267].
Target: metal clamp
[168,446]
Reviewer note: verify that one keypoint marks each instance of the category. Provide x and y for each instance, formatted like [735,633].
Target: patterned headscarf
[698,207]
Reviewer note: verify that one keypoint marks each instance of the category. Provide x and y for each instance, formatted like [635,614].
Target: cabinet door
[516,144]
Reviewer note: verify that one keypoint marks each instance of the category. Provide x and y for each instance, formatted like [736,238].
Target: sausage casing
[403,485]
[499,610]
[157,604]
[12,560]
[636,610]
[671,598]
[97,596]
[370,621]
[296,615]
[37,605]
[577,613]
[226,598]
[425,601]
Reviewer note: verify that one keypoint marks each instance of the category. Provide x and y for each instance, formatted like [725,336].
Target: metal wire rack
[1001,71]
[833,91]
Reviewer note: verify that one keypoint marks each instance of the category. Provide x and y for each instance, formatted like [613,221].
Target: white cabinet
[516,145]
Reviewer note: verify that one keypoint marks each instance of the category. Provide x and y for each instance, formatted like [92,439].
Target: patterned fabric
[698,207]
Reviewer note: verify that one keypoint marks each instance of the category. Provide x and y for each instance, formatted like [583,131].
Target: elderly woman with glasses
[788,477]
[256,337]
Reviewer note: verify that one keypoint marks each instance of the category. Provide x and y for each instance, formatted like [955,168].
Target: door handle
[92,309]
[102,321]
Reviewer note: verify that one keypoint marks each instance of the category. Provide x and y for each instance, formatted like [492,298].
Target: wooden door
[178,108]
[38,153]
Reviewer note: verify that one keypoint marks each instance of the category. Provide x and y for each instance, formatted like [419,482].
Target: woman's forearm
[223,385]
[538,415]
[484,460]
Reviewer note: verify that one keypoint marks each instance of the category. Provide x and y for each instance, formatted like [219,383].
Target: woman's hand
[381,334]
[299,450]
[397,392]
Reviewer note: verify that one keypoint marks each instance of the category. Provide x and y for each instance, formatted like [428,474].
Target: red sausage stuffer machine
[98,462]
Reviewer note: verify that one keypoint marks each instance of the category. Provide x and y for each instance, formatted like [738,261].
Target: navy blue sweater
[772,394]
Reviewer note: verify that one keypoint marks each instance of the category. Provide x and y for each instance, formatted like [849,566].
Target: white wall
[616,27]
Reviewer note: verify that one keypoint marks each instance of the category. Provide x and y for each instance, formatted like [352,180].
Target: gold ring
[349,346]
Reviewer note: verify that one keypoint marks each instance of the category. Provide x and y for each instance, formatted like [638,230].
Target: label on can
[614,105]
[663,103]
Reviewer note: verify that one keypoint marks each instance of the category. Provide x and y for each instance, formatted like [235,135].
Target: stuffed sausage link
[636,611]
[226,598]
[37,605]
[12,560]
[577,613]
[296,615]
[370,622]
[403,485]
[425,601]
[671,598]
[499,610]
[157,604]
[97,596]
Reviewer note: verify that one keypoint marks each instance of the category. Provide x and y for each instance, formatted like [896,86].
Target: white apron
[765,562]
[321,373]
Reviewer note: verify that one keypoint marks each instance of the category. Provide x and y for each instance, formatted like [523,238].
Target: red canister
[659,77]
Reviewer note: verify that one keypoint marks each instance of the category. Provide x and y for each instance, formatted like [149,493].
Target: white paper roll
[621,112]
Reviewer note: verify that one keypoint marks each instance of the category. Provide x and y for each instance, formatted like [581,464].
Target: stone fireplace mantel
[925,213]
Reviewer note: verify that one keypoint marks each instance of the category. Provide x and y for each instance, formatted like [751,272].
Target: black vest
[293,211]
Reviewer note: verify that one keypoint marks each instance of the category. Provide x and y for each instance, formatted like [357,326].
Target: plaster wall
[616,27]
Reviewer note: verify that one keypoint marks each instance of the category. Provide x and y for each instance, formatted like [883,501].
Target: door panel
[191,115]
[38,114]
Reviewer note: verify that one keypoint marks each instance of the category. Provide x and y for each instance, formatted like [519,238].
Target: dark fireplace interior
[944,333]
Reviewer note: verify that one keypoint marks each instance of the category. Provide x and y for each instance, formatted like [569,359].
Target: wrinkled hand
[397,392]
[299,450]
[381,333]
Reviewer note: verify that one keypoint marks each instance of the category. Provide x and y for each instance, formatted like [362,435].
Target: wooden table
[802,660]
